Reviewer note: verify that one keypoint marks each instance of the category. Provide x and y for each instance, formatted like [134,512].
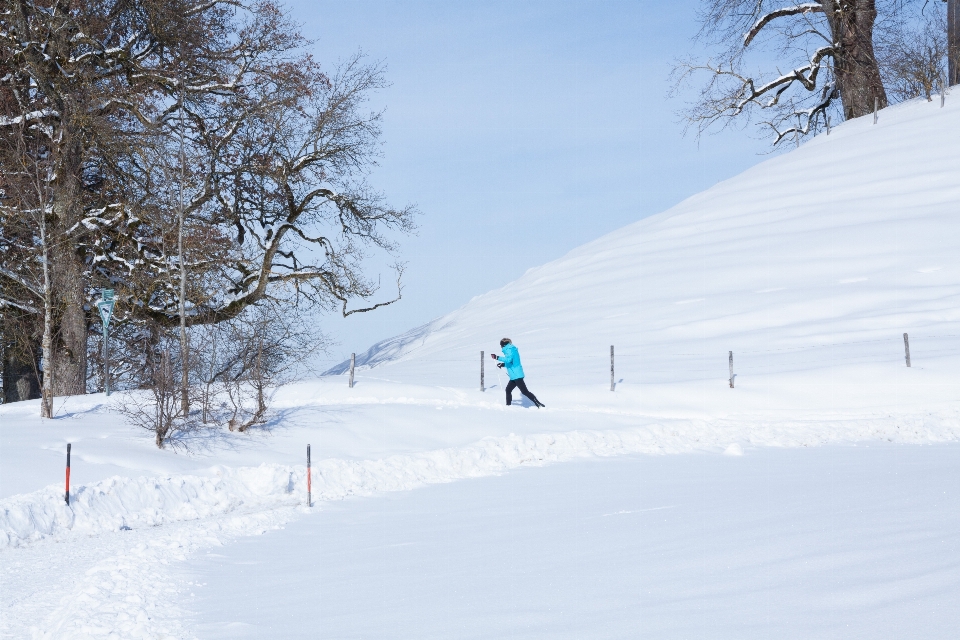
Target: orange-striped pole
[66,495]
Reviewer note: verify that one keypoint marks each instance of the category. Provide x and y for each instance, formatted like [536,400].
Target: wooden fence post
[482,388]
[353,363]
[731,369]
[906,348]
[613,384]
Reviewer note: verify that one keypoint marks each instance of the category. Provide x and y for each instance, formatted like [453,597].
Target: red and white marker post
[66,495]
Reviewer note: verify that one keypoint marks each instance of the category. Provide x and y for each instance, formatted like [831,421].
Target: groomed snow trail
[117,581]
[115,584]
[832,542]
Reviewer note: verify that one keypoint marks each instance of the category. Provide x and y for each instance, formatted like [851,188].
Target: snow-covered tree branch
[828,45]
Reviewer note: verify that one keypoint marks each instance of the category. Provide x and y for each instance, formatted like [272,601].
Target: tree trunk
[67,276]
[70,345]
[953,42]
[858,74]
[46,343]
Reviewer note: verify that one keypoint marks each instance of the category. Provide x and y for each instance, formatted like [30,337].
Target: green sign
[105,306]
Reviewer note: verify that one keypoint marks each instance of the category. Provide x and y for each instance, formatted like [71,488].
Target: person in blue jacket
[511,362]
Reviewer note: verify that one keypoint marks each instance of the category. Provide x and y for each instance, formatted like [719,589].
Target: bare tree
[275,204]
[159,411]
[912,50]
[953,41]
[827,45]
[247,358]
[280,182]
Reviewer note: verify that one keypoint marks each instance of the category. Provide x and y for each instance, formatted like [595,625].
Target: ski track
[124,534]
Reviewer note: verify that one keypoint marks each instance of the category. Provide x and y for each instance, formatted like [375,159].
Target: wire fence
[647,364]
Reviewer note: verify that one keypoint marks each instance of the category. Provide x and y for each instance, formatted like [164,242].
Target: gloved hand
[493,355]
[500,365]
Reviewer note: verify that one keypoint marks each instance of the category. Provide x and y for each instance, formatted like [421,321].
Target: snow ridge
[120,503]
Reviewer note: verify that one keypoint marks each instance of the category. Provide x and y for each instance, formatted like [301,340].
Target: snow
[820,257]
[809,267]
[834,542]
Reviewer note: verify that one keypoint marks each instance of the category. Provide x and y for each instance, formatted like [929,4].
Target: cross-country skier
[511,361]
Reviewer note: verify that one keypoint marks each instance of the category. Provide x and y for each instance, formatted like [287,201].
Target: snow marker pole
[66,494]
[876,106]
[482,388]
[828,125]
[106,360]
[353,362]
[612,383]
[906,348]
[731,369]
[309,501]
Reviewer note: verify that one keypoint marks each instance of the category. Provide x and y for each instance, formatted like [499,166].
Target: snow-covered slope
[817,259]
[809,268]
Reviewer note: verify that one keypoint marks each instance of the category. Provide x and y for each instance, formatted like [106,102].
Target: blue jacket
[511,358]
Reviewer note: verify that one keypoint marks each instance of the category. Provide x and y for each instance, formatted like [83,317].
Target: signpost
[105,306]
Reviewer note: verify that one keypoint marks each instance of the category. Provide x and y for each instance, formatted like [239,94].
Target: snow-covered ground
[810,267]
[834,542]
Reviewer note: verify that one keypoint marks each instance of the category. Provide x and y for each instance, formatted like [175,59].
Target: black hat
[505,342]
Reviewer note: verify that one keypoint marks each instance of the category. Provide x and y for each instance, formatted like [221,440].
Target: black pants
[520,384]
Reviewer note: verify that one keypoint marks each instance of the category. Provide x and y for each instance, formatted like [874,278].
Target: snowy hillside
[809,267]
[812,264]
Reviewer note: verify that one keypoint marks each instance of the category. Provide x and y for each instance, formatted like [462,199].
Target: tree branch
[809,7]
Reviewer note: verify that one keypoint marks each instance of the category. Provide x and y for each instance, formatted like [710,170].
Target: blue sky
[521,130]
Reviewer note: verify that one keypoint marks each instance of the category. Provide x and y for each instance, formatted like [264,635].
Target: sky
[520,130]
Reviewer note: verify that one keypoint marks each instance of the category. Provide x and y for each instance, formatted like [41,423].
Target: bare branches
[730,92]
[912,51]
[18,305]
[158,409]
[398,268]
[248,358]
[826,43]
[286,180]
[272,197]
[809,7]
[28,286]
[39,114]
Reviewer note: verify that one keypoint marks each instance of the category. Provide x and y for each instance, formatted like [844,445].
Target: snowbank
[128,503]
